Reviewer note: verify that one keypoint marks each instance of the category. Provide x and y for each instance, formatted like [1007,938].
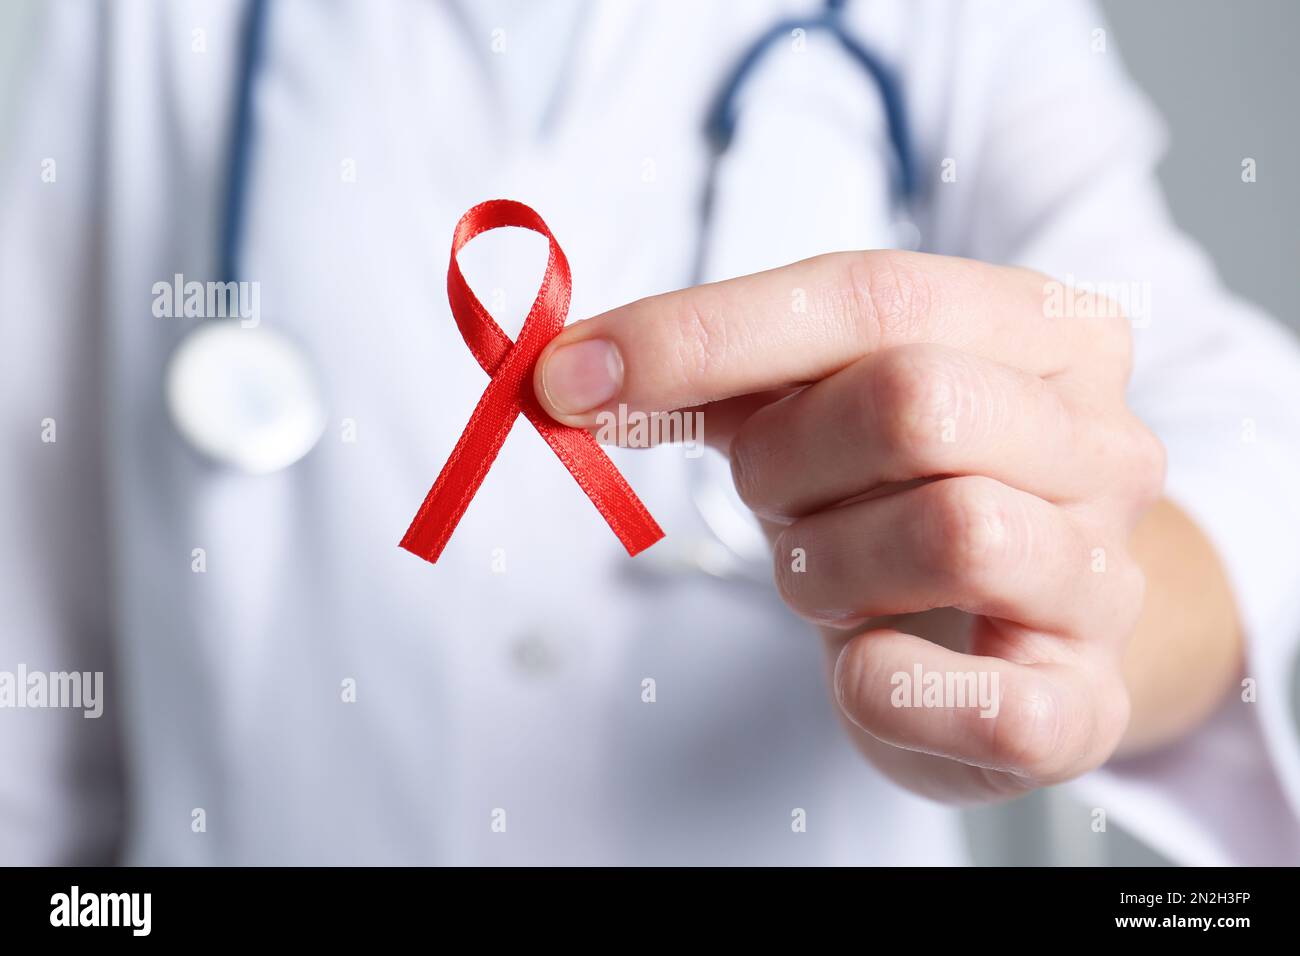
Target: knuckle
[790,583]
[815,594]
[915,397]
[1150,462]
[1027,733]
[861,682]
[1130,596]
[746,468]
[1110,721]
[887,296]
[700,339]
[973,531]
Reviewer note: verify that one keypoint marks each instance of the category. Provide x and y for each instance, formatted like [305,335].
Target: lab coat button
[535,656]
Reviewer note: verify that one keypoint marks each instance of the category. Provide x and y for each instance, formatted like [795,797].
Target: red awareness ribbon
[511,364]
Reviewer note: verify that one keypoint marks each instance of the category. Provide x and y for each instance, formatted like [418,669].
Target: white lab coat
[479,691]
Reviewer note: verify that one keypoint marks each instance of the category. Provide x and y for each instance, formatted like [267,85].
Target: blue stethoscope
[720,125]
[253,401]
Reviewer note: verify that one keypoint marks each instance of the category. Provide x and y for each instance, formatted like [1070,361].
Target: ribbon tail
[600,480]
[460,478]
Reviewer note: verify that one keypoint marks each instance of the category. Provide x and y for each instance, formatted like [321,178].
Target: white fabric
[522,690]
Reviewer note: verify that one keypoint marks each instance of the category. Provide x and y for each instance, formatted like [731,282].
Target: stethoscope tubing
[241,139]
[721,120]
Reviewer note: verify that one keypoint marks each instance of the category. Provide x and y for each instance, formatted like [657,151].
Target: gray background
[1225,75]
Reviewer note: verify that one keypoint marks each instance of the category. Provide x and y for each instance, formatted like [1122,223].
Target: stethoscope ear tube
[720,122]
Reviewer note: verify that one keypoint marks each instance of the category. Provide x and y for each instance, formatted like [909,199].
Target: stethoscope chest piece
[247,398]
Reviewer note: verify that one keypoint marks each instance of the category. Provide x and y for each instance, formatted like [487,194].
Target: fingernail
[580,377]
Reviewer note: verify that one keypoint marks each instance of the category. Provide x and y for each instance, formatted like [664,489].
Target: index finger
[790,326]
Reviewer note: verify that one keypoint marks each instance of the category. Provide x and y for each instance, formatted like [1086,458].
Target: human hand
[919,436]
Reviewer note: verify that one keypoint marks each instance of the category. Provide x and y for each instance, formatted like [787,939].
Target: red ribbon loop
[510,364]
